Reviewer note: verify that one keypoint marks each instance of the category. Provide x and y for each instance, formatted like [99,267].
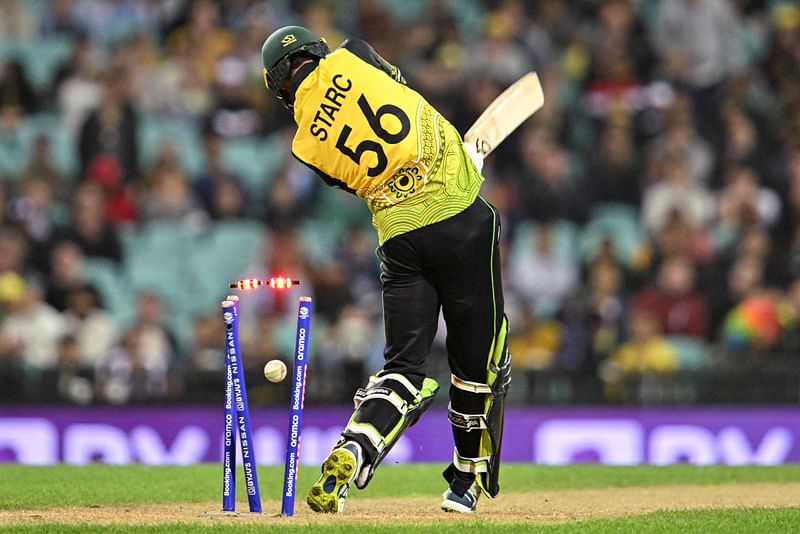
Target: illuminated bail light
[248,283]
[276,282]
[282,282]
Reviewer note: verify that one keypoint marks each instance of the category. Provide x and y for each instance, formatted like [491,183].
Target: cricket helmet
[278,51]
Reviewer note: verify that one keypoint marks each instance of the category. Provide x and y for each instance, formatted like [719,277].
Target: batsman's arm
[365,52]
[329,180]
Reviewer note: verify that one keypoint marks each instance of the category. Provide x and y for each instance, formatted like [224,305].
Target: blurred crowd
[651,209]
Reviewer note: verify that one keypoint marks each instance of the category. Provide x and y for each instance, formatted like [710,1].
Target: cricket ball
[275,370]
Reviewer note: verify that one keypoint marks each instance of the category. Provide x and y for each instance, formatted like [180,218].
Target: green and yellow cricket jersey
[363,130]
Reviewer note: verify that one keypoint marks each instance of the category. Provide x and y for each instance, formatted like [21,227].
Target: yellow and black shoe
[327,495]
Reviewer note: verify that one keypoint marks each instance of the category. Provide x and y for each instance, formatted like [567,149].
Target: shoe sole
[341,466]
[453,507]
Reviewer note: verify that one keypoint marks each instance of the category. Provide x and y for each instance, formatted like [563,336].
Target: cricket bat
[514,105]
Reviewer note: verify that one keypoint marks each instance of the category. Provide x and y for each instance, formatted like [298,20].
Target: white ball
[275,370]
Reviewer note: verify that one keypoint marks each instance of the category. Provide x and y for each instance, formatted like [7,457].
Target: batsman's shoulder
[359,47]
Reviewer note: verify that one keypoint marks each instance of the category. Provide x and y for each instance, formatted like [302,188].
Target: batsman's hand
[476,158]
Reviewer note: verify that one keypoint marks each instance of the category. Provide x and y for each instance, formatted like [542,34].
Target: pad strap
[369,432]
[471,465]
[465,420]
[376,391]
[471,387]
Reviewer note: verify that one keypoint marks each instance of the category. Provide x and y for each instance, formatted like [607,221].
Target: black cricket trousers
[452,265]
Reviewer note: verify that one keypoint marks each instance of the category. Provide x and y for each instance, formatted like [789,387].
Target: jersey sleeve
[329,180]
[364,51]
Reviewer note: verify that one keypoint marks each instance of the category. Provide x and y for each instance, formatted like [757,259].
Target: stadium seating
[154,131]
[565,236]
[113,287]
[616,222]
[255,160]
[693,354]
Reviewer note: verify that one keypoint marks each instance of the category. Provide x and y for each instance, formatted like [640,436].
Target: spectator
[16,90]
[680,142]
[139,366]
[699,47]
[500,56]
[208,349]
[12,140]
[13,250]
[4,220]
[202,39]
[619,37]
[743,201]
[41,167]
[791,337]
[16,20]
[545,184]
[744,278]
[219,190]
[283,206]
[62,19]
[676,193]
[355,340]
[12,372]
[75,87]
[229,201]
[782,64]
[615,175]
[542,278]
[621,63]
[204,361]
[112,127]
[332,288]
[741,144]
[789,220]
[35,212]
[74,382]
[358,255]
[535,342]
[90,228]
[680,310]
[677,238]
[594,320]
[147,85]
[170,195]
[31,329]
[120,203]
[234,113]
[273,340]
[91,326]
[646,351]
[753,328]
[65,274]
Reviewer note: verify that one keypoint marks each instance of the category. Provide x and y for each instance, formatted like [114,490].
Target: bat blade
[514,105]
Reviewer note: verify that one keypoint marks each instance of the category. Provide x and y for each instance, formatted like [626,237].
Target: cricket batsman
[362,129]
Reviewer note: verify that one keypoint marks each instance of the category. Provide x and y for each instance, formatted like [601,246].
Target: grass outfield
[534,498]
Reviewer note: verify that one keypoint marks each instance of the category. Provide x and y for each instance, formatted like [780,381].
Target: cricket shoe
[327,495]
[465,504]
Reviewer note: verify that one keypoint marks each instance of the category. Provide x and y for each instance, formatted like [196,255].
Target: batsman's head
[283,52]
